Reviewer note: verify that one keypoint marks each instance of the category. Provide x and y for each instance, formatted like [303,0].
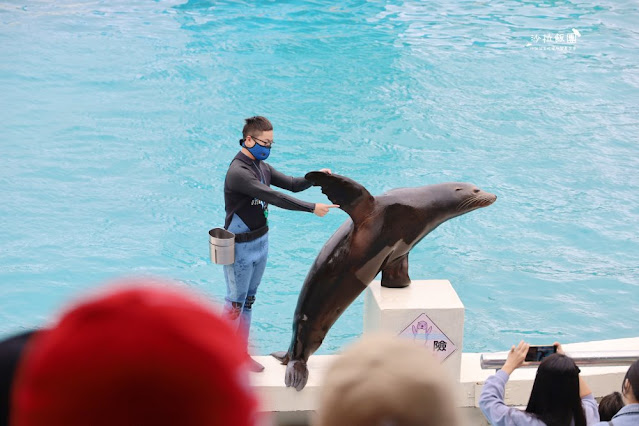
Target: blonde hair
[386,381]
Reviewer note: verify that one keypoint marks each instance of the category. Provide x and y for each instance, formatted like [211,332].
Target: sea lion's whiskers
[467,202]
[462,204]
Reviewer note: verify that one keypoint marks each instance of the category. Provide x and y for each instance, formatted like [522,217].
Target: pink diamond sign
[423,331]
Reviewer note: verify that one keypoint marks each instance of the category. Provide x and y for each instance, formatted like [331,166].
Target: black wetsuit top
[247,191]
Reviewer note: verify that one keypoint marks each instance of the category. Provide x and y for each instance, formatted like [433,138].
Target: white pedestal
[427,311]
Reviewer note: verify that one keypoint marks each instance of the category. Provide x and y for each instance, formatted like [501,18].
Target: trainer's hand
[328,171]
[516,357]
[322,209]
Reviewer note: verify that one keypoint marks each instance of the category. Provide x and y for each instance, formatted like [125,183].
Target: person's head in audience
[555,398]
[386,380]
[630,386]
[610,405]
[142,354]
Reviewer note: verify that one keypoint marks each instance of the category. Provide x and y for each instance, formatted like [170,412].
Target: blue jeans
[243,277]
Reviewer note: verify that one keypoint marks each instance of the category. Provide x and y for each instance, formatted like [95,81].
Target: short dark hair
[633,379]
[609,406]
[554,398]
[256,124]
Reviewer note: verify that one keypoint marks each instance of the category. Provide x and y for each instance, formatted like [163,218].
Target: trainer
[247,195]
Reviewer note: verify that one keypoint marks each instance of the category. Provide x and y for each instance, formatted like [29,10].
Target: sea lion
[377,237]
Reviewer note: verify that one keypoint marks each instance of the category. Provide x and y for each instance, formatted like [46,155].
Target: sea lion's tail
[296,374]
[281,356]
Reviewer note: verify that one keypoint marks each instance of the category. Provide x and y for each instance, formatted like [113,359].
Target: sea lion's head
[469,197]
[453,199]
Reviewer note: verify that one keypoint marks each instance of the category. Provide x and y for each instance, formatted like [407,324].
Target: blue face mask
[258,151]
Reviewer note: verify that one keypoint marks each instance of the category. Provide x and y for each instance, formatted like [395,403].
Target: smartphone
[538,353]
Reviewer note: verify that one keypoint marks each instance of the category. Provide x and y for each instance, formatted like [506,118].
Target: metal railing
[582,358]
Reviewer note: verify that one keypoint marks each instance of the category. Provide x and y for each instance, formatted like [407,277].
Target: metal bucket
[222,246]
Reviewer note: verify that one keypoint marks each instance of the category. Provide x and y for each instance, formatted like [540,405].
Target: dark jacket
[627,416]
[247,191]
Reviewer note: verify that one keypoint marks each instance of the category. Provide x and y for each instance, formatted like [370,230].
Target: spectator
[384,380]
[559,397]
[609,406]
[141,355]
[628,415]
[11,350]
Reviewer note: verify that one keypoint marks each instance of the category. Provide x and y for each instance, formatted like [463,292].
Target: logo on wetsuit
[256,202]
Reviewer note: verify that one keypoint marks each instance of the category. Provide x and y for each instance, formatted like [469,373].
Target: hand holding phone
[516,357]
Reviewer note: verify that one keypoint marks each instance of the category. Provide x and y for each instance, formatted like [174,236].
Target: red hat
[135,356]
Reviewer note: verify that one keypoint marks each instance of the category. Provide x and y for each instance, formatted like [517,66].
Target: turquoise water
[119,119]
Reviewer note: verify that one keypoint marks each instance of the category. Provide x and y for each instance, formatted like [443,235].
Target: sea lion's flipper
[296,370]
[296,374]
[395,273]
[352,197]
[281,356]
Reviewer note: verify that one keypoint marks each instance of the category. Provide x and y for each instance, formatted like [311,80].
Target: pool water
[119,120]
